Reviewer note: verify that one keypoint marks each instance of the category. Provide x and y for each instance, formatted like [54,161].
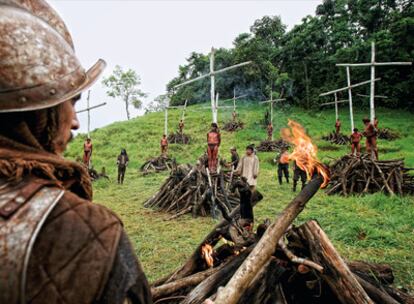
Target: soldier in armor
[213,144]
[338,126]
[87,152]
[269,131]
[56,245]
[164,145]
[370,133]
[122,163]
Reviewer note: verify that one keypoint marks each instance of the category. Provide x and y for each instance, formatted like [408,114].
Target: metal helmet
[38,65]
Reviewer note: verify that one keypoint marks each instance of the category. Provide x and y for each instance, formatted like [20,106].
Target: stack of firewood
[179,138]
[192,189]
[337,138]
[272,145]
[277,264]
[233,126]
[388,134]
[157,164]
[95,175]
[359,175]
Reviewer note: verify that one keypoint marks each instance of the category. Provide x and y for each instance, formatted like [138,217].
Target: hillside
[373,228]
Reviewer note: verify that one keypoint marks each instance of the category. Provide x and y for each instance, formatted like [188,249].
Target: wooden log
[172,287]
[230,294]
[377,272]
[337,274]
[375,293]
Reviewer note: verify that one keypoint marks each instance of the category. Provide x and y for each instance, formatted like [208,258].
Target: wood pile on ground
[95,175]
[157,164]
[360,175]
[388,134]
[178,138]
[272,145]
[233,126]
[191,189]
[278,263]
[338,139]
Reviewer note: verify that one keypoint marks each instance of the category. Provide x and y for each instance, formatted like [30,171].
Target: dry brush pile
[279,264]
[338,139]
[360,175]
[388,134]
[191,189]
[233,126]
[272,145]
[179,138]
[157,164]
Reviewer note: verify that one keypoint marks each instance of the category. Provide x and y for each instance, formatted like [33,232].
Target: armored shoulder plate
[23,210]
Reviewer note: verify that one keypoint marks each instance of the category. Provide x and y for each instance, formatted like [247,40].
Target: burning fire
[304,152]
[207,254]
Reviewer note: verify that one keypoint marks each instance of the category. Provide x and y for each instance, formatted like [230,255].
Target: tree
[125,84]
[158,104]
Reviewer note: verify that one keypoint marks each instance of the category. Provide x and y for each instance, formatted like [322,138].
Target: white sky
[155,37]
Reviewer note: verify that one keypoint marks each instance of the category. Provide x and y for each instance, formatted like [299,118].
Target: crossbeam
[348,87]
[91,108]
[376,96]
[333,102]
[88,109]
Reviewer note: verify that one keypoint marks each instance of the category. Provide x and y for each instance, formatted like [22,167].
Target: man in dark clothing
[122,163]
[283,165]
[370,133]
[234,158]
[55,243]
[298,173]
[213,144]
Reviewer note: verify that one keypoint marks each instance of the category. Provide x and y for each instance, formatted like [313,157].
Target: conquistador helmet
[38,65]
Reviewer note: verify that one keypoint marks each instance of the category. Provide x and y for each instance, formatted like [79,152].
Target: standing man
[87,152]
[56,245]
[122,163]
[356,142]
[234,158]
[283,165]
[234,114]
[213,144]
[269,131]
[249,167]
[338,126]
[370,133]
[298,173]
[376,122]
[181,127]
[164,145]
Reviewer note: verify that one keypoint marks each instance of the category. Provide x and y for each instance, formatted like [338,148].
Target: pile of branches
[388,134]
[338,139]
[233,126]
[191,189]
[272,146]
[179,138]
[95,175]
[276,264]
[360,175]
[157,164]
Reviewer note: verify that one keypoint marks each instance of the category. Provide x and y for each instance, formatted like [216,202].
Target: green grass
[375,228]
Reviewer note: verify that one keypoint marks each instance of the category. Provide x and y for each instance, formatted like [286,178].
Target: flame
[207,254]
[304,152]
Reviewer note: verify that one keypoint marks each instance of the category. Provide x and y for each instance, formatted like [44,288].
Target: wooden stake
[88,109]
[351,111]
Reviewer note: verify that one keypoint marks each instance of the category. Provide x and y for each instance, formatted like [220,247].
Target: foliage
[158,104]
[125,84]
[305,56]
[387,222]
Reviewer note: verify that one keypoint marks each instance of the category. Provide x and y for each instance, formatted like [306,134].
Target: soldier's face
[68,121]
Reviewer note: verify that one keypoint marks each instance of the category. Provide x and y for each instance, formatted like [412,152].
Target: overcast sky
[155,37]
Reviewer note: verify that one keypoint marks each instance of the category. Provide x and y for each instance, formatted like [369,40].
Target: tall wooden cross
[184,107]
[88,109]
[272,101]
[336,102]
[372,64]
[212,75]
[234,99]
[349,89]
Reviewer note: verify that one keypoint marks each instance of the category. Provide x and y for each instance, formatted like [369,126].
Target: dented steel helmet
[38,65]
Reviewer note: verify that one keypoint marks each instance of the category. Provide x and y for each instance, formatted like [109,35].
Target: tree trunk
[127,107]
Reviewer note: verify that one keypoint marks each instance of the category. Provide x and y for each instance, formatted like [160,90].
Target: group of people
[370,133]
[283,161]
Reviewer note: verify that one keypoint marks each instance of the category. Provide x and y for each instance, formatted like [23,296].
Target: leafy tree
[125,84]
[158,104]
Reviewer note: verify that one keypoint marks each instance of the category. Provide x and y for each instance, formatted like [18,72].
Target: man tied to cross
[213,144]
[87,152]
[164,145]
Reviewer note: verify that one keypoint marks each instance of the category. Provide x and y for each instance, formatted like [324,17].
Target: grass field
[386,223]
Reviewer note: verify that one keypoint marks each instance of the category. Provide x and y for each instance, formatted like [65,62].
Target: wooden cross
[336,102]
[376,96]
[372,64]
[88,109]
[184,107]
[212,74]
[349,89]
[272,101]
